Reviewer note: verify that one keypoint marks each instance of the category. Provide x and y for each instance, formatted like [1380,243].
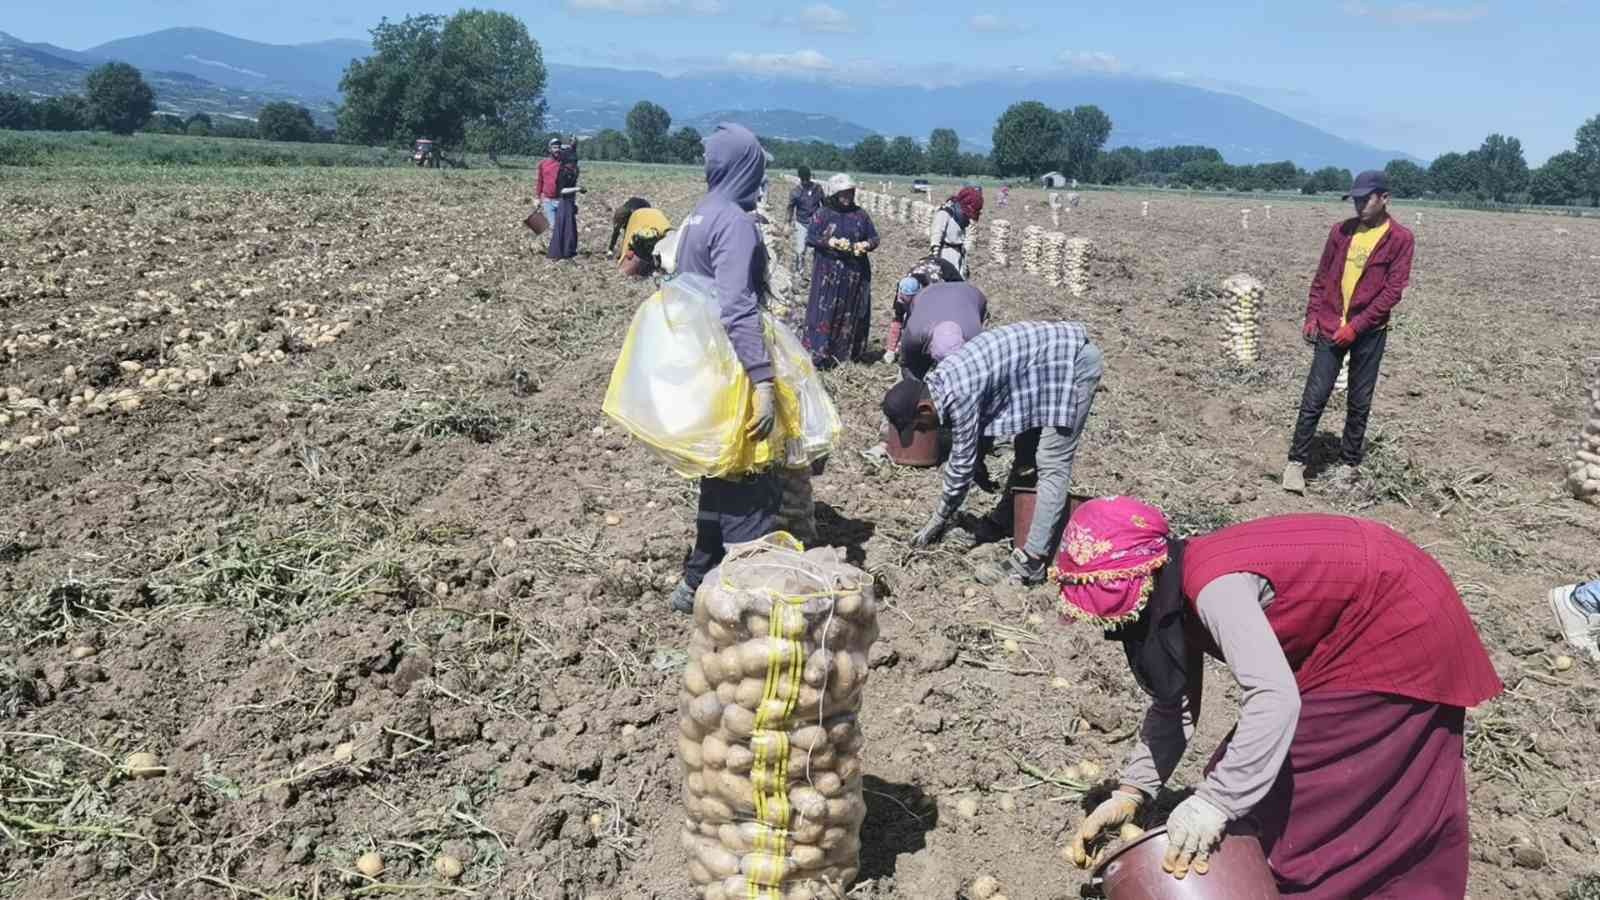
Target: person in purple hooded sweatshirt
[721,241]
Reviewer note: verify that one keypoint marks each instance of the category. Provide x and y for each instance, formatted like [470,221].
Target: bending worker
[1356,660]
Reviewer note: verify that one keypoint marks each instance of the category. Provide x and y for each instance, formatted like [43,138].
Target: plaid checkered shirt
[1003,382]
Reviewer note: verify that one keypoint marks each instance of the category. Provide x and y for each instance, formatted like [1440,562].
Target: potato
[806,856]
[808,831]
[833,837]
[698,873]
[711,666]
[694,679]
[714,810]
[750,692]
[720,634]
[690,752]
[723,606]
[370,864]
[695,783]
[740,758]
[846,676]
[738,721]
[757,625]
[735,790]
[809,737]
[715,892]
[828,783]
[728,692]
[808,802]
[729,658]
[707,711]
[143,765]
[849,604]
[718,861]
[690,729]
[819,665]
[714,751]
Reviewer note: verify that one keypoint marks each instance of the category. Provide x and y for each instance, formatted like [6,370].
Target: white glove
[889,356]
[1113,812]
[762,416]
[1193,830]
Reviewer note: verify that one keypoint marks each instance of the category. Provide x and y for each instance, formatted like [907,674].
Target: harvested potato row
[999,233]
[1075,266]
[1242,299]
[1583,473]
[1032,237]
[768,731]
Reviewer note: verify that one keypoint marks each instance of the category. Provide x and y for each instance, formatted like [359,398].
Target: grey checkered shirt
[1003,382]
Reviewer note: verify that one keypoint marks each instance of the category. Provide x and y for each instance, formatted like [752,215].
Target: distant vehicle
[920,186]
[424,154]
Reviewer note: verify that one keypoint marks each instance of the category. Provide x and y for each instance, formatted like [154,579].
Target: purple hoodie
[721,241]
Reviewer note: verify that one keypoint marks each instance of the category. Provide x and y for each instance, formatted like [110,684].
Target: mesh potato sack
[769,738]
[1583,473]
[1242,297]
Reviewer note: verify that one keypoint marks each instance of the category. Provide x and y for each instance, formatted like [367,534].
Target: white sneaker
[1294,478]
[1581,629]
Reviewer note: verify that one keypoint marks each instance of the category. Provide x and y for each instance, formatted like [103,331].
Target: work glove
[1193,830]
[762,416]
[1345,336]
[932,532]
[1112,813]
[1309,332]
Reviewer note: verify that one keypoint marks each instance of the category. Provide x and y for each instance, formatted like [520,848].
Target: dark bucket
[1239,871]
[923,450]
[536,222]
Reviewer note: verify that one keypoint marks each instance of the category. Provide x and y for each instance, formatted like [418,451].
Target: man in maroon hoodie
[1365,267]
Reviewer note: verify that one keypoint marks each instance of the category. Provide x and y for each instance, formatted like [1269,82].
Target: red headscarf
[970,199]
[1109,555]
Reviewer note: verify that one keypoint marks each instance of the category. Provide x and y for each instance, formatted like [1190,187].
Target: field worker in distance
[926,271]
[804,201]
[947,236]
[640,225]
[1365,267]
[564,227]
[839,311]
[720,240]
[549,194]
[1356,659]
[1034,380]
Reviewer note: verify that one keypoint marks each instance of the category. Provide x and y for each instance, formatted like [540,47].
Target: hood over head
[736,164]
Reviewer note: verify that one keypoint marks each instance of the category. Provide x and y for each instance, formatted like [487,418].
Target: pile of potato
[904,214]
[1055,246]
[1075,266]
[769,737]
[1242,299]
[1583,474]
[1055,210]
[1032,238]
[999,232]
[797,512]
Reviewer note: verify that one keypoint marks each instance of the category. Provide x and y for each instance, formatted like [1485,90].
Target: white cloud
[822,17]
[990,22]
[650,7]
[1417,13]
[1092,61]
[780,63]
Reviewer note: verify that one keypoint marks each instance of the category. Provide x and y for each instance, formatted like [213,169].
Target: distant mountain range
[196,69]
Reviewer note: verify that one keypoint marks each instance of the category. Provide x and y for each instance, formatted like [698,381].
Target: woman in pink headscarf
[1356,660]
[947,235]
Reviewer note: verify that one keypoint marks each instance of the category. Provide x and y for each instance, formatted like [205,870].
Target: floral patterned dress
[839,311]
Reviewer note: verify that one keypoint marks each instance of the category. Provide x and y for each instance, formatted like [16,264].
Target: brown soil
[364,593]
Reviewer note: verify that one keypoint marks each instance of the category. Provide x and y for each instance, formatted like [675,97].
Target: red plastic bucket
[1239,871]
[536,222]
[1023,503]
[923,450]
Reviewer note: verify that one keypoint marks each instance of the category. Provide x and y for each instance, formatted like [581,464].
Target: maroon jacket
[1357,607]
[1385,277]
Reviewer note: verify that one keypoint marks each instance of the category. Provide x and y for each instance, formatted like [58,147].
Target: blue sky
[1424,77]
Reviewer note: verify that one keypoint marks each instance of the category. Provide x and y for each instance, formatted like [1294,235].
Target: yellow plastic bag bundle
[679,388]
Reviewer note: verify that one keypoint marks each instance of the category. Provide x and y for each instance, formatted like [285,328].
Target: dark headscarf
[619,219]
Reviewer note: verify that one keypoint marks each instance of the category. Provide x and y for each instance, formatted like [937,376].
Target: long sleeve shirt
[804,201]
[1383,280]
[949,301]
[1003,382]
[545,186]
[948,240]
[1233,610]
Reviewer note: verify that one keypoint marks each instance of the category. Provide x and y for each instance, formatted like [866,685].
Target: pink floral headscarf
[1109,554]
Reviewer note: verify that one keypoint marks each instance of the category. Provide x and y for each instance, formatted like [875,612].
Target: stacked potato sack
[1055,211]
[1032,236]
[1242,298]
[1072,201]
[1075,266]
[1055,246]
[903,212]
[1583,475]
[922,214]
[769,737]
[999,232]
[1144,210]
[1244,219]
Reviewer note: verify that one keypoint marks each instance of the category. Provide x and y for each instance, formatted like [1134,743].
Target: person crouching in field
[1366,264]
[1356,659]
[639,225]
[927,271]
[721,241]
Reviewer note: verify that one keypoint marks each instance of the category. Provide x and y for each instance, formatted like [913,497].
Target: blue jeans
[550,207]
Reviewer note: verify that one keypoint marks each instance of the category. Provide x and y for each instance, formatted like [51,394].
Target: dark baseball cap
[900,406]
[1368,182]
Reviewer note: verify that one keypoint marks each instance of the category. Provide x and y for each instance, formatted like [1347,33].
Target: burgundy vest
[1357,606]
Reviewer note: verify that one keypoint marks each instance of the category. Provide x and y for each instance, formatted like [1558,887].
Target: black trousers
[1365,355]
[731,512]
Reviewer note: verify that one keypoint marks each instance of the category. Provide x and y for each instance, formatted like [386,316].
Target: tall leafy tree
[944,151]
[502,71]
[17,112]
[1502,170]
[119,99]
[1406,178]
[1588,150]
[871,154]
[687,145]
[69,112]
[1559,181]
[1085,130]
[1027,139]
[648,125]
[609,144]
[285,122]
[905,157]
[1454,173]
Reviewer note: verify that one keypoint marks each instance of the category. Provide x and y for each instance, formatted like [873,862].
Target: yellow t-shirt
[1361,247]
[641,219]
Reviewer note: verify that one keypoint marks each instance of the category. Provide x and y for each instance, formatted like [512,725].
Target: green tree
[1329,178]
[1559,181]
[687,145]
[285,122]
[1588,150]
[69,112]
[975,164]
[1454,173]
[1207,173]
[17,112]
[1027,139]
[1406,178]
[201,118]
[1502,170]
[164,123]
[1084,132]
[1120,166]
[871,154]
[905,157]
[944,152]
[119,99]
[609,145]
[648,125]
[501,69]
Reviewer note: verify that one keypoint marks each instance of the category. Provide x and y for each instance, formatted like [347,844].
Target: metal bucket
[1239,871]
